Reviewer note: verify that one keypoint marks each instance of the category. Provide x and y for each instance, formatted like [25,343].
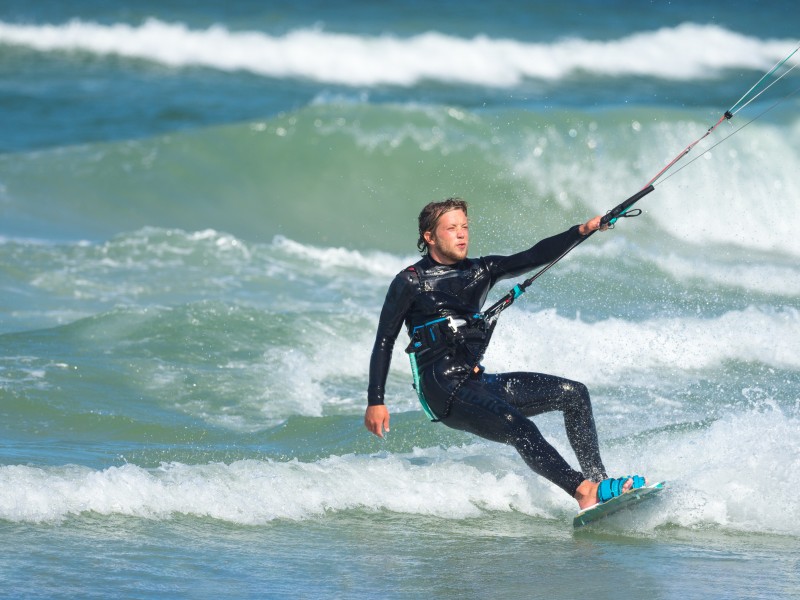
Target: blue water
[201,207]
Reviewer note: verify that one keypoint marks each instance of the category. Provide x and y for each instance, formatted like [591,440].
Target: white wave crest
[603,352]
[688,51]
[731,474]
[375,263]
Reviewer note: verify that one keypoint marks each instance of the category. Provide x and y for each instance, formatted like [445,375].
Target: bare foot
[586,494]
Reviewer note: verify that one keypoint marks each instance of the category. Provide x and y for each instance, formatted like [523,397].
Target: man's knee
[576,393]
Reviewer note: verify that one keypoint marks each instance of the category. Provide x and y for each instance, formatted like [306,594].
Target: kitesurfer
[439,299]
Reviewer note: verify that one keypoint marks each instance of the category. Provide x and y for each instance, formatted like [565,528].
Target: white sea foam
[375,263]
[428,482]
[688,51]
[732,475]
[750,271]
[735,474]
[740,193]
[604,351]
[752,276]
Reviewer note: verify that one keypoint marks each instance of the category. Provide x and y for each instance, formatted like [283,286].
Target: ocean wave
[159,266]
[685,52]
[374,166]
[653,348]
[325,258]
[734,456]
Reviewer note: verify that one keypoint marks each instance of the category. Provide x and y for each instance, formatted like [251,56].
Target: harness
[437,338]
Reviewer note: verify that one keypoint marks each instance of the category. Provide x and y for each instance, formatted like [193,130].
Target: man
[439,299]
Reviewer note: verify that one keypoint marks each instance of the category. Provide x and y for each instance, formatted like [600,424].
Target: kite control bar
[619,211]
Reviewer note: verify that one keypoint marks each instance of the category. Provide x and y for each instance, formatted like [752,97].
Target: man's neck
[441,260]
[438,263]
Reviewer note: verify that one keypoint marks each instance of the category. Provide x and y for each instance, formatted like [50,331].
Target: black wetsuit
[495,407]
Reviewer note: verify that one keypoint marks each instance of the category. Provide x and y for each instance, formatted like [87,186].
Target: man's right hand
[376,419]
[591,225]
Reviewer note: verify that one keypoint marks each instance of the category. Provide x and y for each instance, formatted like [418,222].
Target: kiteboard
[626,500]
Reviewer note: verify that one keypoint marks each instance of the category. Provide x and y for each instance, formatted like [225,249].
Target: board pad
[628,499]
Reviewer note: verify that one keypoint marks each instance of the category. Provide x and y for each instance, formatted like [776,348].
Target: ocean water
[201,208]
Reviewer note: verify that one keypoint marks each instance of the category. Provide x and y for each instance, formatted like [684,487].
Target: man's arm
[398,301]
[542,252]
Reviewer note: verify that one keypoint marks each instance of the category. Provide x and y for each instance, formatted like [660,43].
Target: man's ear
[428,237]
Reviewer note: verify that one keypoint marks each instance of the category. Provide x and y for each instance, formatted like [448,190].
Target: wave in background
[695,52]
[525,174]
[141,290]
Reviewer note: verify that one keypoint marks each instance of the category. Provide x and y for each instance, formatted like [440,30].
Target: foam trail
[732,474]
[694,52]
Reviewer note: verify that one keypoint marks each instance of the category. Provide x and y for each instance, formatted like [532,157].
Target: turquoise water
[196,236]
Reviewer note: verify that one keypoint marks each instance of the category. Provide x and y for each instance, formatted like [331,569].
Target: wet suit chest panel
[627,500]
[447,290]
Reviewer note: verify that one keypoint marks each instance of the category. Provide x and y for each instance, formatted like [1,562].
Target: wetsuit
[492,406]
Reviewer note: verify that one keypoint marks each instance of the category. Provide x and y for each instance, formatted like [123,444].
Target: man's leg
[477,410]
[536,393]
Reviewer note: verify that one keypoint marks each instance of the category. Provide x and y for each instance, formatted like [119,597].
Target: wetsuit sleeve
[398,301]
[503,267]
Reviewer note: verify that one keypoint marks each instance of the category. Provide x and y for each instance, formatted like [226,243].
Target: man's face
[448,242]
